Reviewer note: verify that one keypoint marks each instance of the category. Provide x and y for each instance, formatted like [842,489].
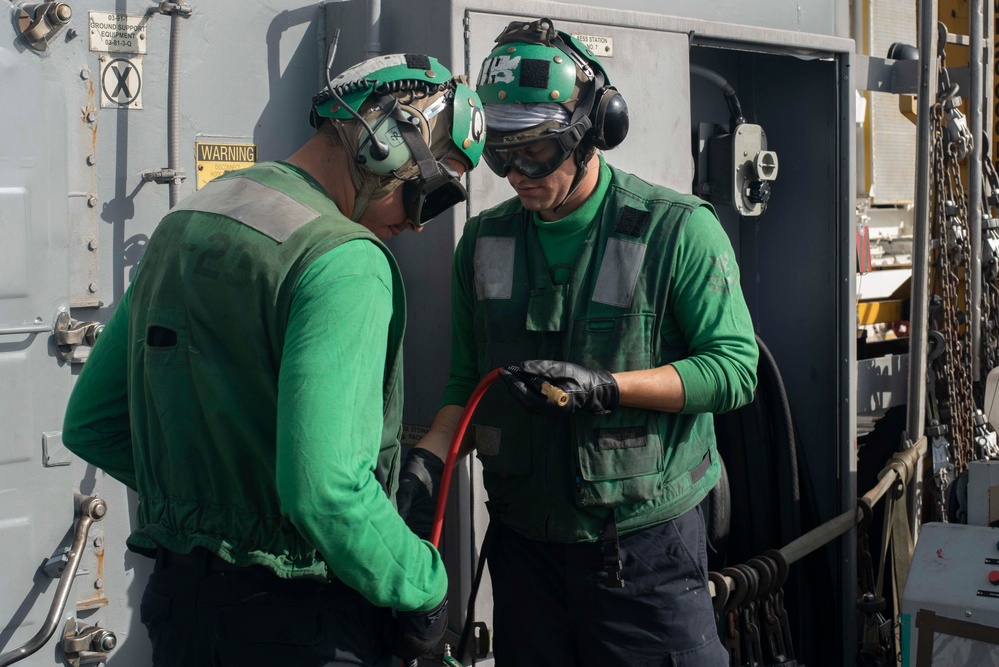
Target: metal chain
[990,270]
[951,393]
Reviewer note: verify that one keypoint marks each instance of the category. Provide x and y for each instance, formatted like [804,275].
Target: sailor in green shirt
[249,388]
[626,295]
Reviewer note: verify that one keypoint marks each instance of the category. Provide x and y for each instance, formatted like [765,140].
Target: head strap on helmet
[399,116]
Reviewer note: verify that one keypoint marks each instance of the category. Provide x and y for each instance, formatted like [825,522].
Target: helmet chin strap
[582,168]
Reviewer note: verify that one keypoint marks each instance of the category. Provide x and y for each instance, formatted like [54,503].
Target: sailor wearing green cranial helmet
[624,294]
[402,116]
[268,500]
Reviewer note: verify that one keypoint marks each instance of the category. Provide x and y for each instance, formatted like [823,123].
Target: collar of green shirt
[561,240]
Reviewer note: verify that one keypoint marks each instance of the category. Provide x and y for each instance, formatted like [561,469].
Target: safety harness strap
[610,546]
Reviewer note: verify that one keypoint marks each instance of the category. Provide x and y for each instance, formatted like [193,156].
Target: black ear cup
[610,119]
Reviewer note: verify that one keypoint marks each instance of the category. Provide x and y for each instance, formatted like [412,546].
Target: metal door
[36,487]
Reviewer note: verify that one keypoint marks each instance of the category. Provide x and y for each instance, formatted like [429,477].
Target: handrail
[31,329]
[91,509]
[899,468]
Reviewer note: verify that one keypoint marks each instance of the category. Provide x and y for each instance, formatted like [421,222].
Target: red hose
[452,454]
[452,458]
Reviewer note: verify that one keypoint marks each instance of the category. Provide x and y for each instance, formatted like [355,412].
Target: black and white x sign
[121,82]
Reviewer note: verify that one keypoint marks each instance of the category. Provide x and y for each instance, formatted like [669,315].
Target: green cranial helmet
[544,85]
[410,78]
[404,119]
[534,63]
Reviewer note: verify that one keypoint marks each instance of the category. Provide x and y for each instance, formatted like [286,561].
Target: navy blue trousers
[552,609]
[201,614]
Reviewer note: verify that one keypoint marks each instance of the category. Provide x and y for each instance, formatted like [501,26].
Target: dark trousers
[201,612]
[552,609]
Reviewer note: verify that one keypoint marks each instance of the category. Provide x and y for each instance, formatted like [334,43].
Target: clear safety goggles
[424,200]
[536,159]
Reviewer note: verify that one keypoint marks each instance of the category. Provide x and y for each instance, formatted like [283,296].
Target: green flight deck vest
[240,244]
[559,479]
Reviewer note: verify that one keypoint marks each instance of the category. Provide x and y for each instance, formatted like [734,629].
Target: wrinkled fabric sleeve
[330,427]
[96,425]
[464,373]
[719,373]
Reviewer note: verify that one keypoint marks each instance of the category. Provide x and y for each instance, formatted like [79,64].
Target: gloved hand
[588,390]
[417,495]
[416,632]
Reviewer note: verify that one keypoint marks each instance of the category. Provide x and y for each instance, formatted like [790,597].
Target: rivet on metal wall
[91,160]
[92,244]
[92,117]
[84,74]
[98,583]
[92,288]
[91,201]
[98,542]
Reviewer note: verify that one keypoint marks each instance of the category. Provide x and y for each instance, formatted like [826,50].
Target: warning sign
[215,159]
[600,46]
[121,82]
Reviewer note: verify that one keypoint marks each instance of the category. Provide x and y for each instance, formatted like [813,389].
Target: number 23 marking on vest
[207,259]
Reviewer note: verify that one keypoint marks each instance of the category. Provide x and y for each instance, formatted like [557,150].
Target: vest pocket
[166,340]
[615,344]
[618,465]
[621,458]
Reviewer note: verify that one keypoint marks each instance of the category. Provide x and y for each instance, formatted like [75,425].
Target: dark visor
[425,200]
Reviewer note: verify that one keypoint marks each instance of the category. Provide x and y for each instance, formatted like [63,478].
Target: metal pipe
[373,44]
[91,509]
[901,466]
[821,536]
[975,95]
[173,107]
[880,489]
[919,304]
[857,29]
[33,329]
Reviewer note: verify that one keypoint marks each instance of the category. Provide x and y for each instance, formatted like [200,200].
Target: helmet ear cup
[610,119]
[388,135]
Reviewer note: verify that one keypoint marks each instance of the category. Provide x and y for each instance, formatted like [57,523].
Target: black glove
[588,390]
[417,495]
[416,632]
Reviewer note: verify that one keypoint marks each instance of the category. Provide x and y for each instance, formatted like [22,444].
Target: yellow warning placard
[213,159]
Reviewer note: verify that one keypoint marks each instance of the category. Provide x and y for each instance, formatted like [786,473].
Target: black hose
[787,465]
[466,631]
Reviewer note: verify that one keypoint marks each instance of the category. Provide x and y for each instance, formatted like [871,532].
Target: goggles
[424,199]
[535,159]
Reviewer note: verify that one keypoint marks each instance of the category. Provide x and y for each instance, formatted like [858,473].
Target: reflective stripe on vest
[619,272]
[494,267]
[616,279]
[256,205]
